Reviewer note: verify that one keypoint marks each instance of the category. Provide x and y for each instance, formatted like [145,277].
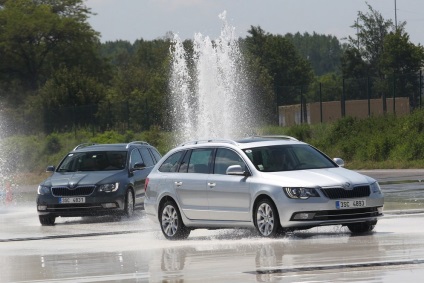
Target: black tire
[47,220]
[129,204]
[360,228]
[267,221]
[171,223]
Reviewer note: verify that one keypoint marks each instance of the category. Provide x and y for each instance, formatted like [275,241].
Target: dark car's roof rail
[137,142]
[282,137]
[83,145]
[206,141]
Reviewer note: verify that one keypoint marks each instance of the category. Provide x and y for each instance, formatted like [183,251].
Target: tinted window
[135,157]
[93,161]
[148,160]
[225,158]
[171,163]
[199,160]
[155,154]
[287,157]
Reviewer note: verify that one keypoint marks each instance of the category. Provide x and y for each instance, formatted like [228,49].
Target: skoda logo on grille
[72,186]
[347,186]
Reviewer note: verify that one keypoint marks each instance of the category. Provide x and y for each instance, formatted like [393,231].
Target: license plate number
[345,204]
[72,200]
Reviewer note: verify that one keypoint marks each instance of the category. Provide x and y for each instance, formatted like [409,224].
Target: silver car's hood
[327,177]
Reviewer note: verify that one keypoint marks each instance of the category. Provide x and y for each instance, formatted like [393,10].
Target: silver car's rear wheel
[172,225]
[267,221]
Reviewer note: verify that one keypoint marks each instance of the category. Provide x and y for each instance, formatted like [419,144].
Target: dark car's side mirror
[50,168]
[138,166]
[236,170]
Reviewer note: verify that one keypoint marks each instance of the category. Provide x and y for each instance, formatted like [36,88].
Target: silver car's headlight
[300,193]
[375,188]
[43,190]
[108,187]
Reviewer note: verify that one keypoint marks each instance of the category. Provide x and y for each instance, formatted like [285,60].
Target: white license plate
[346,204]
[72,200]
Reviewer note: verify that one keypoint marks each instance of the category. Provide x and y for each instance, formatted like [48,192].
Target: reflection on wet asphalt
[134,250]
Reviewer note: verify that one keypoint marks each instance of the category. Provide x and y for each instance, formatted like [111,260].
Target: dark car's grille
[340,193]
[78,191]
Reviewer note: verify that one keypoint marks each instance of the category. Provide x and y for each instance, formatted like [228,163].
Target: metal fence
[364,97]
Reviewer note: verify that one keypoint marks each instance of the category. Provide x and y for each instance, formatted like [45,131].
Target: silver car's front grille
[340,193]
[67,192]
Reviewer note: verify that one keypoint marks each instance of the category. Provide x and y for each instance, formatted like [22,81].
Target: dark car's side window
[225,158]
[171,163]
[148,161]
[155,154]
[199,160]
[135,157]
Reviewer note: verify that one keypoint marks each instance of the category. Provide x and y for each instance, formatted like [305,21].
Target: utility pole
[395,17]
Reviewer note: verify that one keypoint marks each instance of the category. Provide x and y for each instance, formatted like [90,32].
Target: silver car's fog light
[300,193]
[380,209]
[108,187]
[304,216]
[109,205]
[42,207]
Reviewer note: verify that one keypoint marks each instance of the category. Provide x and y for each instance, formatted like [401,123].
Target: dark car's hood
[80,178]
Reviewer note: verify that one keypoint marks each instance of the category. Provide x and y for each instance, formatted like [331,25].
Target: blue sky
[150,19]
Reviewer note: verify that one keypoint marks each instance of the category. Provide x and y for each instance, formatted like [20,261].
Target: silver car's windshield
[93,161]
[288,157]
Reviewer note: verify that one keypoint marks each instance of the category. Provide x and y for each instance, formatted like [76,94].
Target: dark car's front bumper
[99,205]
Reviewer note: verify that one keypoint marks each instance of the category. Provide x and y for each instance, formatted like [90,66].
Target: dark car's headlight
[43,190]
[300,192]
[375,188]
[108,187]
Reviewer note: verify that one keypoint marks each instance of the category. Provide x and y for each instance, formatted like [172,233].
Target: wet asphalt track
[105,250]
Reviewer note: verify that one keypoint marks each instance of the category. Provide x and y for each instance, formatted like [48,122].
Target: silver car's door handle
[178,184]
[211,185]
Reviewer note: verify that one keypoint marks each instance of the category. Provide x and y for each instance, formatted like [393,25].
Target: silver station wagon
[276,184]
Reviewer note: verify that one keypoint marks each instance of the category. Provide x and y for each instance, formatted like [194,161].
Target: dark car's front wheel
[171,223]
[47,220]
[129,203]
[266,218]
[360,228]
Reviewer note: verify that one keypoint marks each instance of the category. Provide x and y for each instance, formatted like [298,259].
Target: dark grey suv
[97,179]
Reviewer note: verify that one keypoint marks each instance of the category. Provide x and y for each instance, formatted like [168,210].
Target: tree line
[52,60]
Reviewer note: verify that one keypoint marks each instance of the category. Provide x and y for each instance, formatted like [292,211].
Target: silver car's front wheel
[266,220]
[172,226]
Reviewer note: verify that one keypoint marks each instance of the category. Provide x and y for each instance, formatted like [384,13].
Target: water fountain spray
[209,89]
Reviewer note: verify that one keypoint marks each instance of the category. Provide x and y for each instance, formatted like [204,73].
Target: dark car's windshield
[287,157]
[93,161]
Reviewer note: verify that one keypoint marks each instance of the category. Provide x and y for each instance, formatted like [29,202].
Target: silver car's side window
[171,163]
[199,160]
[225,158]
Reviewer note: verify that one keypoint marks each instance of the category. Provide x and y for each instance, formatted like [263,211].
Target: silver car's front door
[190,184]
[229,196]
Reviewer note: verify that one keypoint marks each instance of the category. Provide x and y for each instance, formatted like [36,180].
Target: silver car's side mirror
[236,170]
[339,161]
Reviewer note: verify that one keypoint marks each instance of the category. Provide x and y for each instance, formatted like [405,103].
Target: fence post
[342,100]
[320,101]
[421,85]
[369,96]
[394,94]
[301,106]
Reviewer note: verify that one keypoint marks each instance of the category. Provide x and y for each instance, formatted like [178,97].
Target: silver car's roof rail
[83,145]
[137,142]
[206,141]
[283,137]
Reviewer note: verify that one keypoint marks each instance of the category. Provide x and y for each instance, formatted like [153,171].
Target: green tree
[323,51]
[290,72]
[38,37]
